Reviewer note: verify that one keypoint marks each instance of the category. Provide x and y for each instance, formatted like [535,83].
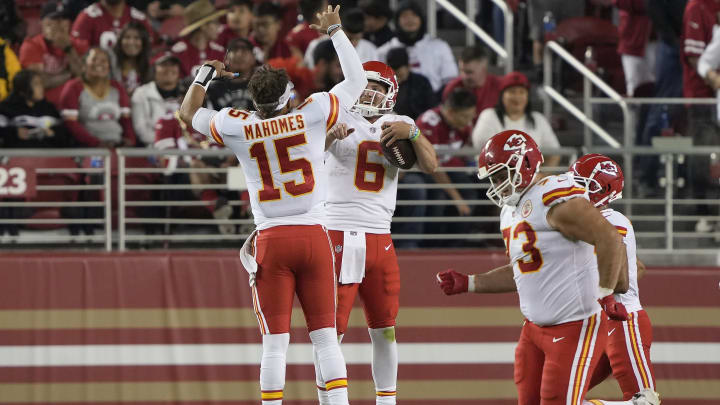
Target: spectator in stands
[239,22]
[513,112]
[132,57]
[157,10]
[172,133]
[377,19]
[698,21]
[667,20]
[9,66]
[53,53]
[266,29]
[301,35]
[474,77]
[96,109]
[448,127]
[160,97]
[198,37]
[233,93]
[429,56]
[554,11]
[325,73]
[100,23]
[415,95]
[353,22]
[27,120]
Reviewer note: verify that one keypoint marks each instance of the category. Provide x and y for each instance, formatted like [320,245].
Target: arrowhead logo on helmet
[510,160]
[607,167]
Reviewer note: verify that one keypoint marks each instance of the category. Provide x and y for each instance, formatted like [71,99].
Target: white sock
[603,402]
[384,364]
[272,368]
[319,381]
[331,364]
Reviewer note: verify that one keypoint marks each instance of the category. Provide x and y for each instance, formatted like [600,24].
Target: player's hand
[220,69]
[340,131]
[393,131]
[614,310]
[452,282]
[326,19]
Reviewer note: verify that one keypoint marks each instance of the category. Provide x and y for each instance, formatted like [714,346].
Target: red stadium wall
[178,328]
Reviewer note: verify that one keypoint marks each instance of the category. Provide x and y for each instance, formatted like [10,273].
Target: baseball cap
[165,57]
[54,9]
[514,79]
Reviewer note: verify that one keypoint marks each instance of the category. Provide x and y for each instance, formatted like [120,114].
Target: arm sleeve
[693,32]
[710,58]
[81,27]
[201,120]
[355,81]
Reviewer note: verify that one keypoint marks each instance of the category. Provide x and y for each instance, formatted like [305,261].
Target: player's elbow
[186,115]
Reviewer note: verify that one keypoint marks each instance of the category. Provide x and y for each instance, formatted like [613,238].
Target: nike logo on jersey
[555,340]
[611,331]
[388,247]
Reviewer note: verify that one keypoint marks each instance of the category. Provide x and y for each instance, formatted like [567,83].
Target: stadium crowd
[112,73]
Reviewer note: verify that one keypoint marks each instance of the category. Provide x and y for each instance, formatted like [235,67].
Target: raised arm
[350,89]
[195,95]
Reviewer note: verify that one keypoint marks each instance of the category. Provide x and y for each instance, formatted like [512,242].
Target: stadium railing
[663,222]
[472,30]
[48,189]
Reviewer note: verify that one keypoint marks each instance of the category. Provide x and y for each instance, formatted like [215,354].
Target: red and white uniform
[698,21]
[557,280]
[361,200]
[191,58]
[97,26]
[627,355]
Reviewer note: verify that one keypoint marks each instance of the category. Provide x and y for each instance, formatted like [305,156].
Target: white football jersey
[557,278]
[631,299]
[363,184]
[282,159]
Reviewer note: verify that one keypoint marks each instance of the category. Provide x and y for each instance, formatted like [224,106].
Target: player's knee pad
[330,358]
[272,365]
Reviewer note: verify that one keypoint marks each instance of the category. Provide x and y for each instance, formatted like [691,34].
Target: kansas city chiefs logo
[516,142]
[607,168]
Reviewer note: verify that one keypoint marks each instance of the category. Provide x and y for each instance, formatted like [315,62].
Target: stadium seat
[49,179]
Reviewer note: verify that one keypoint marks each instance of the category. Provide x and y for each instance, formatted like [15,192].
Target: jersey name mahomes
[280,125]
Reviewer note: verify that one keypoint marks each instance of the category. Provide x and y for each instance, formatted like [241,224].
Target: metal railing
[472,29]
[99,171]
[663,222]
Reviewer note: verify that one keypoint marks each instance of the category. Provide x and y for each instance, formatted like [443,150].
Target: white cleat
[646,397]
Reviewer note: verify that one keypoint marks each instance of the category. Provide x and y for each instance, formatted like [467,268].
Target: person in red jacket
[197,43]
[95,108]
[475,78]
[100,23]
[239,22]
[301,35]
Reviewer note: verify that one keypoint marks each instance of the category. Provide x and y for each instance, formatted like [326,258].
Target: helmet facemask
[498,190]
[372,103]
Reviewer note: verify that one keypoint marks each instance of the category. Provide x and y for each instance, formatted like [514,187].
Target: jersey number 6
[282,145]
[536,259]
[363,167]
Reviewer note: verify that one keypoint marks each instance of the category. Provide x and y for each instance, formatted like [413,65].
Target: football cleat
[646,397]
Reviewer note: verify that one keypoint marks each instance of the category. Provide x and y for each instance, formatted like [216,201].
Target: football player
[281,151]
[360,206]
[627,354]
[563,287]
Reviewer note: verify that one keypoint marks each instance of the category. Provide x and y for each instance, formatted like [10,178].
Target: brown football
[400,154]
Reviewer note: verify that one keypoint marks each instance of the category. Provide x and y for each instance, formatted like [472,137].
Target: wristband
[414,133]
[604,292]
[471,283]
[332,27]
[204,75]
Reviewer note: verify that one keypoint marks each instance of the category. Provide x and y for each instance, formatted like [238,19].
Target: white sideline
[355,353]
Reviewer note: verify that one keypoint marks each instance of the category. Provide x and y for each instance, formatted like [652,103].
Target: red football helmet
[603,177]
[516,152]
[372,102]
